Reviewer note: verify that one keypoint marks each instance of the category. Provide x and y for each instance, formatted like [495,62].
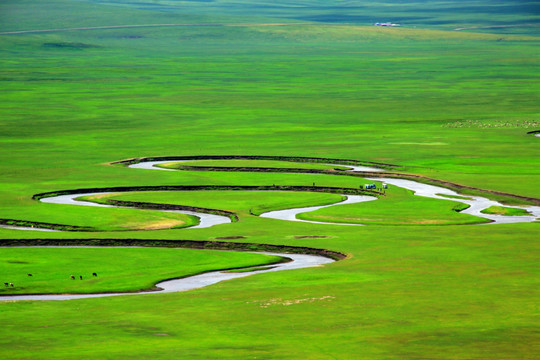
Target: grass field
[450,105]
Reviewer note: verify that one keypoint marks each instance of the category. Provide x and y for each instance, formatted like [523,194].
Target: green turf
[451,105]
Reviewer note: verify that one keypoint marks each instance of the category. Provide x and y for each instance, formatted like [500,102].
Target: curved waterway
[476,203]
[298,261]
[151,165]
[206,220]
[290,214]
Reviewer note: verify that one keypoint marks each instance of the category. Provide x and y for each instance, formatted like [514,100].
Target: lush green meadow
[450,105]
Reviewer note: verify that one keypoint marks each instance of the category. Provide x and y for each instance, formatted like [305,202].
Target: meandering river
[476,204]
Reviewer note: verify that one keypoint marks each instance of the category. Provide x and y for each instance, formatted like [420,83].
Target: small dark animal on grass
[80,276]
[11,284]
[72,277]
[29,274]
[94,274]
[6,284]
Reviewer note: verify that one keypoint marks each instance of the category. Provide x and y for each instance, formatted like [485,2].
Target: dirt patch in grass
[282,302]
[157,225]
[97,197]
[230,237]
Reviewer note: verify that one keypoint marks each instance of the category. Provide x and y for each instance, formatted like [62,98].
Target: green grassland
[521,16]
[119,270]
[328,100]
[462,294]
[450,105]
[100,219]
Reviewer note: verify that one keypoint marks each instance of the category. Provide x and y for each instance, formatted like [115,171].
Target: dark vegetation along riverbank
[327,189]
[188,244]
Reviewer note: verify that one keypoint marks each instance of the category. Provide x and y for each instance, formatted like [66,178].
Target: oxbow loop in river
[298,261]
[206,220]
